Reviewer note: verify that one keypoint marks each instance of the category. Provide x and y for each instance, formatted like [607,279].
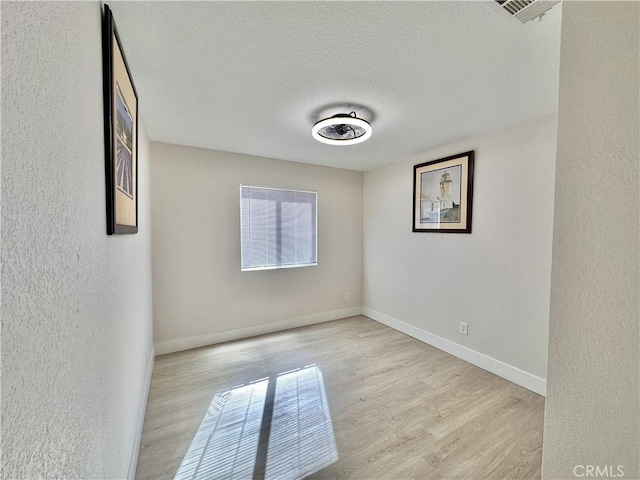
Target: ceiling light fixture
[342,129]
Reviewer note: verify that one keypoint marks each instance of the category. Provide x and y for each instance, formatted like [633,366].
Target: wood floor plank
[400,408]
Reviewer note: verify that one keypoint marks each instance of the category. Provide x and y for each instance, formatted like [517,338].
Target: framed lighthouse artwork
[443,194]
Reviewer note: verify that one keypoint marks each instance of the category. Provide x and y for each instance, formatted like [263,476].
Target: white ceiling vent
[525,10]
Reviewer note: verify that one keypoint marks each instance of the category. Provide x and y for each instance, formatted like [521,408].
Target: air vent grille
[525,10]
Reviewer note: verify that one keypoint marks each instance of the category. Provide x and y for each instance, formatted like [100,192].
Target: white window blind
[278,228]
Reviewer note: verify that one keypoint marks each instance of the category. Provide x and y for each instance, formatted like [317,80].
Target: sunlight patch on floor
[284,425]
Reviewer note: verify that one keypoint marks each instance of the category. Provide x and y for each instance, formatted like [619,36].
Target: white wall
[592,408]
[496,279]
[76,304]
[199,290]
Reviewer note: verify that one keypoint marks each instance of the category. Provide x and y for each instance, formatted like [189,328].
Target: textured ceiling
[253,77]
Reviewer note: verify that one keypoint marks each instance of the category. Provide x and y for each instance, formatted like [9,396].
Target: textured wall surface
[497,278]
[76,304]
[197,283]
[591,415]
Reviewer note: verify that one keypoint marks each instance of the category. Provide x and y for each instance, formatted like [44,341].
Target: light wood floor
[400,408]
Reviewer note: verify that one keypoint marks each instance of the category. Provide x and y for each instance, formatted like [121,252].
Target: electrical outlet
[464,328]
[347,295]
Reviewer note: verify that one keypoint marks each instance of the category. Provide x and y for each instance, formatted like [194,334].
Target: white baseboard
[239,333]
[504,370]
[133,463]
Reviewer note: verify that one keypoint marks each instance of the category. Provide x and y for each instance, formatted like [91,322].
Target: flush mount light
[342,129]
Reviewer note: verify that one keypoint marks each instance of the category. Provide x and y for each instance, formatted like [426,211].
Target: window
[278,228]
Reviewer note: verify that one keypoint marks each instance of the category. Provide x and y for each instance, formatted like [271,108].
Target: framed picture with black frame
[443,194]
[120,131]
